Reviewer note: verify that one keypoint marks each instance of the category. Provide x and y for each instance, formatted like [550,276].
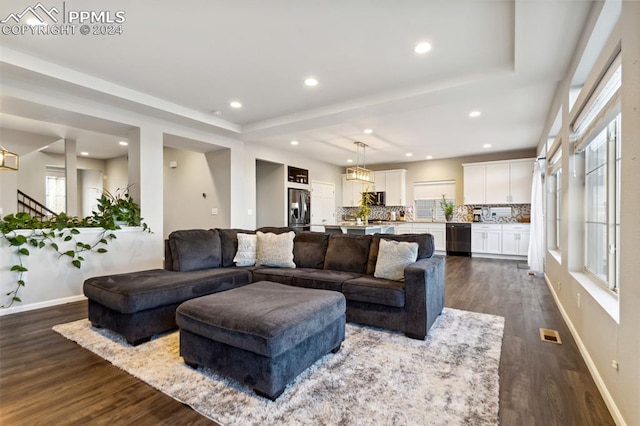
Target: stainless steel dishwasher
[458,239]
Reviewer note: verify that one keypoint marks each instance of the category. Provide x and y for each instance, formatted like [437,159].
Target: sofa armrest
[424,294]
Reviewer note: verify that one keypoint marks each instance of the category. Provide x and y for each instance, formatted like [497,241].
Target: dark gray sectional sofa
[200,262]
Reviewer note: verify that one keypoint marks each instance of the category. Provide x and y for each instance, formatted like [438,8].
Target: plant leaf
[21,282]
[19,268]
[70,253]
[54,246]
[75,231]
[16,299]
[67,238]
[24,251]
[76,263]
[102,250]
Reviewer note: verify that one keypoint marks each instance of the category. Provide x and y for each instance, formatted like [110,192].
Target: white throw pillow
[246,254]
[393,257]
[275,249]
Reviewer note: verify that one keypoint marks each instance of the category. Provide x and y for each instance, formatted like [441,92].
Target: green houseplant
[118,208]
[447,207]
[364,205]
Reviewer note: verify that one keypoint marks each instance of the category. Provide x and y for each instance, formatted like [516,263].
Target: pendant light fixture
[359,172]
[8,160]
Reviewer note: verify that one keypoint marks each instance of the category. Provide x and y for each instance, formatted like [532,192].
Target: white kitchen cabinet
[486,238]
[438,231]
[474,184]
[498,182]
[515,239]
[404,228]
[396,187]
[380,184]
[351,192]
[521,178]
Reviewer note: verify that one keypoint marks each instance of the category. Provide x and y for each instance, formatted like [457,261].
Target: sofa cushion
[279,275]
[275,229]
[322,279]
[275,249]
[348,253]
[137,291]
[195,249]
[309,249]
[264,318]
[393,257]
[425,247]
[375,290]
[246,254]
[229,241]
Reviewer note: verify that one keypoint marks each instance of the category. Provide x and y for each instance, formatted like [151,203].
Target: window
[427,197]
[602,204]
[55,190]
[554,213]
[597,131]
[558,197]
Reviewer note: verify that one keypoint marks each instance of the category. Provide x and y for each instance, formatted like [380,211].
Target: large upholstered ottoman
[262,334]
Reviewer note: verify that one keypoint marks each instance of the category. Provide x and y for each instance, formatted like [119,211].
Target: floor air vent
[548,335]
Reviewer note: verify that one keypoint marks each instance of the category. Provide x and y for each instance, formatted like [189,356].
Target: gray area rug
[378,377]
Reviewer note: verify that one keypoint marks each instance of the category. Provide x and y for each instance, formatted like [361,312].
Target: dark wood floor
[46,379]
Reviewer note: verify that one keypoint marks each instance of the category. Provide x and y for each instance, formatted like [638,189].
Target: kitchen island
[354,228]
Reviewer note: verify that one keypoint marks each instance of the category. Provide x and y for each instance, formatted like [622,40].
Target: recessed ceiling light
[422,47]
[235,104]
[311,82]
[349,160]
[409,154]
[294,142]
[474,114]
[123,143]
[486,145]
[368,131]
[85,153]
[429,157]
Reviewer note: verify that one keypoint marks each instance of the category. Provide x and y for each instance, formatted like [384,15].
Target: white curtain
[536,242]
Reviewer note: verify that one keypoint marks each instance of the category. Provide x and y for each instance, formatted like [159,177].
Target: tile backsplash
[463,213]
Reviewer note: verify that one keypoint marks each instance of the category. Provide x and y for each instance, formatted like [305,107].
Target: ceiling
[503,58]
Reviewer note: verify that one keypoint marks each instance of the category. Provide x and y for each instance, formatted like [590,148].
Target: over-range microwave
[377,197]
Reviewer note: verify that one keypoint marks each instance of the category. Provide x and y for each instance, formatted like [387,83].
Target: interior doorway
[323,205]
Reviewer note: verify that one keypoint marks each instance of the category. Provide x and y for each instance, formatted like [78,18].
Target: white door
[323,205]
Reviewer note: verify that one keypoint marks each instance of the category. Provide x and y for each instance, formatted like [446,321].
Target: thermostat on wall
[173,164]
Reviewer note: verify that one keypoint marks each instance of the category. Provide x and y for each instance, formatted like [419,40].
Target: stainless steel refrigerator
[300,208]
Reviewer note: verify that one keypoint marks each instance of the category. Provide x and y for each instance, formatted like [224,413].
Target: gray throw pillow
[393,257]
[275,250]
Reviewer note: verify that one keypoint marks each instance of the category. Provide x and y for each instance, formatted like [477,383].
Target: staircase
[34,208]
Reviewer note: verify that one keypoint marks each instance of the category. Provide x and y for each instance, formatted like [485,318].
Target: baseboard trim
[40,305]
[608,399]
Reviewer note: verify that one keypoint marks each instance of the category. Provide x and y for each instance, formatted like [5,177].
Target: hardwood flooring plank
[46,379]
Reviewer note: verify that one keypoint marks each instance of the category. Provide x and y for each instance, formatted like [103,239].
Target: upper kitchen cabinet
[380,184]
[351,192]
[498,182]
[395,187]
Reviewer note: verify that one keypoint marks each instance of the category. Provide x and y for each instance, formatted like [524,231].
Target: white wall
[116,174]
[185,207]
[600,336]
[318,171]
[89,190]
[52,279]
[33,172]
[270,199]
